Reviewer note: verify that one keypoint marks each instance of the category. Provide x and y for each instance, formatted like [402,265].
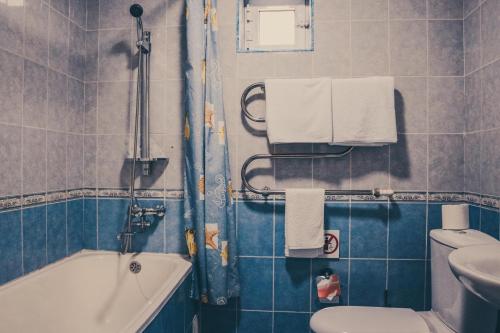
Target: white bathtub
[91,291]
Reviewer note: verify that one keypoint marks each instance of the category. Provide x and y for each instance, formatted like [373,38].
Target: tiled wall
[42,62]
[177,315]
[482,92]
[383,246]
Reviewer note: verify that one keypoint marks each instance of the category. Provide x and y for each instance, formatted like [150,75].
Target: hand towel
[304,222]
[299,110]
[363,111]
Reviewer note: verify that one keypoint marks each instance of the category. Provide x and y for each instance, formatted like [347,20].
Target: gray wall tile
[470,5]
[158,110]
[332,49]
[116,104]
[491,95]
[61,5]
[490,162]
[11,30]
[90,108]
[408,167]
[115,55]
[35,95]
[327,10]
[369,48]
[446,163]
[89,161]
[57,101]
[56,161]
[175,110]
[92,14]
[114,14]
[446,105]
[407,9]
[11,90]
[331,173]
[34,160]
[113,171]
[472,42]
[256,65]
[472,158]
[446,47]
[176,52]
[10,155]
[158,55]
[490,25]
[373,174]
[78,11]
[473,102]
[408,47]
[174,173]
[446,9]
[369,10]
[36,42]
[76,60]
[411,104]
[75,161]
[58,41]
[76,106]
[91,55]
[176,13]
[293,65]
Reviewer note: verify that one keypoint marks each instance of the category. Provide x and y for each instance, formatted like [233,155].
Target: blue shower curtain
[208,206]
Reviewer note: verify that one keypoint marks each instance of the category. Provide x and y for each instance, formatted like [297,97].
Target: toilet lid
[354,319]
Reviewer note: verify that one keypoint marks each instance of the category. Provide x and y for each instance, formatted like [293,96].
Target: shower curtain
[208,206]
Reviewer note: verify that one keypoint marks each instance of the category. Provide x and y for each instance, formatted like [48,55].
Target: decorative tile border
[40,198]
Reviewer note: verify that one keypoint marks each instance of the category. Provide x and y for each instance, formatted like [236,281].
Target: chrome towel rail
[266,191]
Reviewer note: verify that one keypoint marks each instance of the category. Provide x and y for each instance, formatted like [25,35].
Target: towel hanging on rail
[299,110]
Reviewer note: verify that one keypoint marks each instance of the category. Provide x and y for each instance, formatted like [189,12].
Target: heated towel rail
[268,191]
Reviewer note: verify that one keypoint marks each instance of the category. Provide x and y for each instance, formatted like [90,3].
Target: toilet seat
[360,319]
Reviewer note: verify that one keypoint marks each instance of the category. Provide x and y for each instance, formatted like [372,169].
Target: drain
[135,267]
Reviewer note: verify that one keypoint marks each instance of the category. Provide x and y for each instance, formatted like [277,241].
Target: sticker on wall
[332,242]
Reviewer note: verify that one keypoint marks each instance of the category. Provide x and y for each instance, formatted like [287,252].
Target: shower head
[136,10]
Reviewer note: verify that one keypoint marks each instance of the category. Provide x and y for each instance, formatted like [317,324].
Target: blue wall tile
[255,228]
[406,283]
[407,225]
[367,282]
[34,233]
[217,320]
[75,225]
[256,279]
[368,230]
[112,216]
[337,218]
[474,217]
[490,222]
[90,223]
[174,227]
[11,259]
[56,231]
[279,237]
[153,238]
[286,322]
[292,284]
[255,322]
[339,267]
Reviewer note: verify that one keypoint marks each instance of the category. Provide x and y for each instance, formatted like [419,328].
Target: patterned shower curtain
[208,206]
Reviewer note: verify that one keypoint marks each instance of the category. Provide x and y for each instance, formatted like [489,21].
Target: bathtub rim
[143,317]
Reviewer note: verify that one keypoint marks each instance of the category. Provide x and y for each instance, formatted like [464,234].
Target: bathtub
[92,291]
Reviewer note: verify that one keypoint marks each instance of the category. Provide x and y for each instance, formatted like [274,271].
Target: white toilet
[453,308]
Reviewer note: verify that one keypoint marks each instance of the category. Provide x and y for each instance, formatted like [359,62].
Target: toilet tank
[453,304]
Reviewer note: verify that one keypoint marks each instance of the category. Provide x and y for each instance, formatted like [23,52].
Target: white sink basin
[478,269]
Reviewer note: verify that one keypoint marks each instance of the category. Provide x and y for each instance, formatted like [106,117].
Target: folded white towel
[299,110]
[304,222]
[363,111]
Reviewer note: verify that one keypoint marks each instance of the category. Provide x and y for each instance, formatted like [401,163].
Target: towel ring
[243,102]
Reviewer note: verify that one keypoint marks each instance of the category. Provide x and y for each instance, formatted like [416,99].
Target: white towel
[363,112]
[299,110]
[304,222]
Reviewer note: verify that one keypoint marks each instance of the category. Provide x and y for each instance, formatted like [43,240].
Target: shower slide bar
[266,191]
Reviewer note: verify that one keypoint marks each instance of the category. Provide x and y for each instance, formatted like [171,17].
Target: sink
[478,269]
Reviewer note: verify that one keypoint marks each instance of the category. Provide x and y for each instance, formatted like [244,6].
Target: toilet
[453,308]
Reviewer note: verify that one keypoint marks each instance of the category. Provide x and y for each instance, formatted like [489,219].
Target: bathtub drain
[135,267]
